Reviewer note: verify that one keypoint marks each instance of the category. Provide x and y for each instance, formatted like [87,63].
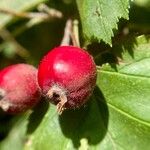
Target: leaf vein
[134,62]
[129,115]
[124,74]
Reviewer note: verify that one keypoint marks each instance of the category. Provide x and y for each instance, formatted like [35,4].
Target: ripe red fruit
[67,76]
[19,88]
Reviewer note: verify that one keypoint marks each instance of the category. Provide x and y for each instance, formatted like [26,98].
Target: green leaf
[100,17]
[117,115]
[17,6]
[133,74]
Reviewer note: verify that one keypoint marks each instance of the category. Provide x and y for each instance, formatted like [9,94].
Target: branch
[6,36]
[67,33]
[46,14]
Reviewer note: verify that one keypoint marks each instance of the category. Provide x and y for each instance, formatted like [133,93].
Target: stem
[29,15]
[67,33]
[52,12]
[75,34]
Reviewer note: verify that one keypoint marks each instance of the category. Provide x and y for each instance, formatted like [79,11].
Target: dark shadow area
[37,116]
[8,122]
[4,124]
[114,55]
[140,18]
[90,121]
[123,43]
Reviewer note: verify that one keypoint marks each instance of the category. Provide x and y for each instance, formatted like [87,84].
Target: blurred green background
[23,41]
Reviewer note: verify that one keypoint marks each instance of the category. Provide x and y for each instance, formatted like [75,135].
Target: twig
[29,15]
[52,12]
[67,33]
[6,36]
[71,31]
[76,33]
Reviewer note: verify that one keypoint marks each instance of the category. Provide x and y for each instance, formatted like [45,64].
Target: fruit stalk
[67,33]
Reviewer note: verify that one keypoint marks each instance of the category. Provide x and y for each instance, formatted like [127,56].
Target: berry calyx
[19,90]
[67,76]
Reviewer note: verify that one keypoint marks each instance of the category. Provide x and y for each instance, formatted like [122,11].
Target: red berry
[19,89]
[67,76]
